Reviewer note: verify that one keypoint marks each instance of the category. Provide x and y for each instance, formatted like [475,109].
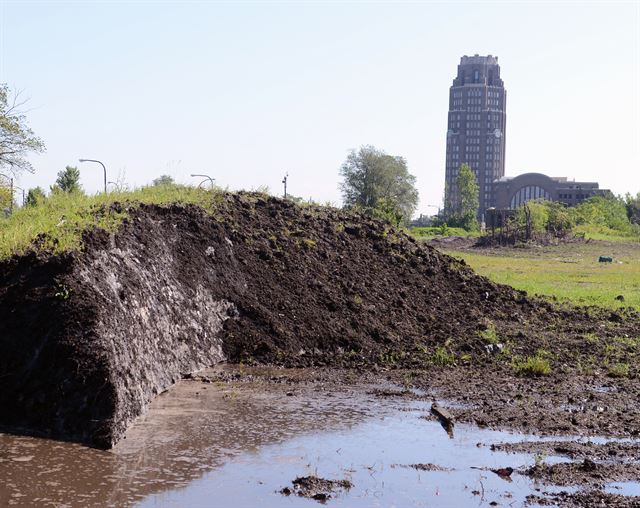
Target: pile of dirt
[89,338]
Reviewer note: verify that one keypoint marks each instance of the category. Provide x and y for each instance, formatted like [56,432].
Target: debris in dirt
[316,488]
[494,348]
[445,417]
[503,472]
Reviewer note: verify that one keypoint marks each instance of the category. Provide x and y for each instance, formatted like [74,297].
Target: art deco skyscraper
[476,127]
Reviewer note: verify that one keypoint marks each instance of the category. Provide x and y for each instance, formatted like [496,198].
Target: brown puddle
[241,442]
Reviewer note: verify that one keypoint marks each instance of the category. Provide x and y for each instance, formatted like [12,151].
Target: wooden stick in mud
[445,416]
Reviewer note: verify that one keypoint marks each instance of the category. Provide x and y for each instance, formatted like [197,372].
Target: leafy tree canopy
[163,180]
[35,196]
[462,204]
[379,183]
[68,180]
[17,140]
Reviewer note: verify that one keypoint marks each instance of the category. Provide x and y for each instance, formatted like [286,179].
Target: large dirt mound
[89,338]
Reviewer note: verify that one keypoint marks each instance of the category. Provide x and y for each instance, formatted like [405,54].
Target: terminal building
[511,192]
[476,128]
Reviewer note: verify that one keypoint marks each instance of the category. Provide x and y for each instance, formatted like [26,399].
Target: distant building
[511,192]
[476,136]
[476,126]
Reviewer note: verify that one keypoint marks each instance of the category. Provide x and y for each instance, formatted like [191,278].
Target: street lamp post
[103,169]
[284,181]
[206,177]
[20,188]
[10,178]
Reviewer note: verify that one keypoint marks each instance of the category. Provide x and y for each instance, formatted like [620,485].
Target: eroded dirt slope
[89,338]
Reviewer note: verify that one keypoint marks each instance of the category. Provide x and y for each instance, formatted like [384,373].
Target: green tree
[462,203]
[378,182]
[17,140]
[163,180]
[68,181]
[633,207]
[604,212]
[35,196]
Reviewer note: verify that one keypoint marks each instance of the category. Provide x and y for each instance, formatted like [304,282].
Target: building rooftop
[477,59]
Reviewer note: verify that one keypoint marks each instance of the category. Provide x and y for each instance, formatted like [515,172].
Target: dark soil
[587,499]
[612,451]
[88,338]
[584,473]
[316,488]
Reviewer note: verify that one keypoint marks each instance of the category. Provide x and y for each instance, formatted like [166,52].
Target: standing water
[241,443]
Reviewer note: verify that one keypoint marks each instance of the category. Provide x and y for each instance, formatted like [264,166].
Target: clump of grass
[443,357]
[57,222]
[307,243]
[490,334]
[619,370]
[537,365]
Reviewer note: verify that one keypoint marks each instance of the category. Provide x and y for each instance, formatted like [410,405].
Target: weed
[357,299]
[619,370]
[489,335]
[443,357]
[537,365]
[307,243]
[64,293]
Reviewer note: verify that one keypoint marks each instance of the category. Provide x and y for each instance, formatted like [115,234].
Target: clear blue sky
[247,91]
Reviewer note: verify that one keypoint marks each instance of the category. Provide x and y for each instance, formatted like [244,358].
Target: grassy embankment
[569,272]
[59,220]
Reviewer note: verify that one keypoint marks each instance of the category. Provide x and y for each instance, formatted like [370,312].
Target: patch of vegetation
[443,357]
[307,243]
[570,272]
[619,370]
[490,335]
[57,222]
[537,365]
[422,233]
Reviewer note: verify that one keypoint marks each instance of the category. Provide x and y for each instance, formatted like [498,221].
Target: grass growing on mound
[58,221]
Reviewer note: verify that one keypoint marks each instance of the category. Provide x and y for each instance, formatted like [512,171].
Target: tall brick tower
[476,127]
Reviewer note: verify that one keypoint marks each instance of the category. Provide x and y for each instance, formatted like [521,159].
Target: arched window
[528,193]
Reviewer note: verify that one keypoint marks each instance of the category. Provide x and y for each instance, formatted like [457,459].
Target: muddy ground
[89,338]
[590,460]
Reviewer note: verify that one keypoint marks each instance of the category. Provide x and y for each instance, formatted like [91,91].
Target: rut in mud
[89,338]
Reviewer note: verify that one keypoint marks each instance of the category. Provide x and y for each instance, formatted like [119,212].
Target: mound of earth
[89,338]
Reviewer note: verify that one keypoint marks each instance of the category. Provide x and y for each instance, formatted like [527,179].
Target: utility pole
[284,181]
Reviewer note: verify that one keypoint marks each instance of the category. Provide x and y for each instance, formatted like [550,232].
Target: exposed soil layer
[88,338]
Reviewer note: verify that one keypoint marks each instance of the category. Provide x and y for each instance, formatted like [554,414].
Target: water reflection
[192,429]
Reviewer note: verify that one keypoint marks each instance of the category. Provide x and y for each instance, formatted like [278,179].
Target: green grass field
[570,272]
